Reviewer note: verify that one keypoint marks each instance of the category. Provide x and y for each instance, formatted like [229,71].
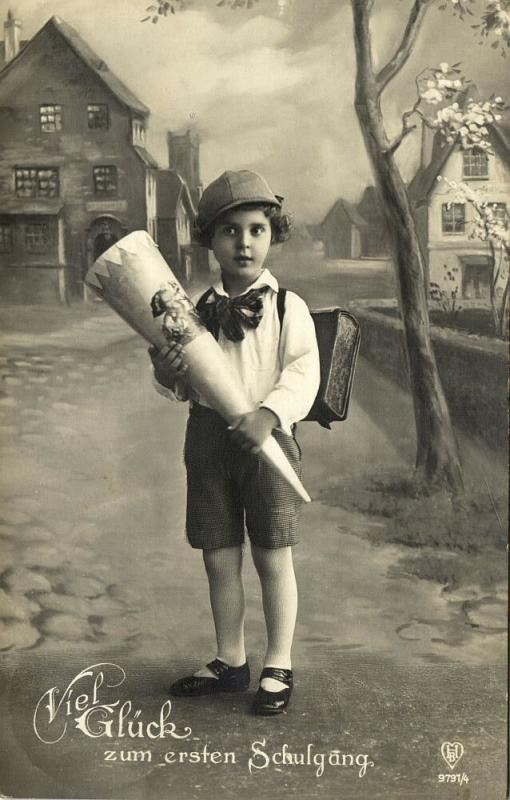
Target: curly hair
[281,223]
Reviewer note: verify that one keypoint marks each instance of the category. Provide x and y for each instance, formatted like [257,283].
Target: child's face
[240,242]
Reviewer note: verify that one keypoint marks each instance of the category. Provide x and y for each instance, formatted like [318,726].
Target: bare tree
[437,458]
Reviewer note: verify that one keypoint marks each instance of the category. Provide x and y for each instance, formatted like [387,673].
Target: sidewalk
[87,326]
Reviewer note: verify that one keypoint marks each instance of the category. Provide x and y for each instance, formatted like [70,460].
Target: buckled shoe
[269,703]
[230,679]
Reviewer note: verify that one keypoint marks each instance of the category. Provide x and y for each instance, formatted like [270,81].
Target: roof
[501,131]
[424,180]
[349,210]
[22,44]
[91,60]
[369,199]
[146,157]
[171,187]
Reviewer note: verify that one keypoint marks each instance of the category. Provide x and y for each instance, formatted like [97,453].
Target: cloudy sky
[267,92]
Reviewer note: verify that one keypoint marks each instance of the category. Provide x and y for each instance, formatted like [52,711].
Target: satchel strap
[280,304]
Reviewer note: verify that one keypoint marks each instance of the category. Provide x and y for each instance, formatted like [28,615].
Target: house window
[37,237]
[454,217]
[50,118]
[105,180]
[36,181]
[138,132]
[500,213]
[475,164]
[5,237]
[98,117]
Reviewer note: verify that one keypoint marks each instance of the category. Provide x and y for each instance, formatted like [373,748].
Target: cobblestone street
[57,585]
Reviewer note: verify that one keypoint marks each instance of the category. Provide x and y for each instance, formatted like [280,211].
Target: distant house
[74,171]
[374,238]
[444,225]
[341,231]
[176,213]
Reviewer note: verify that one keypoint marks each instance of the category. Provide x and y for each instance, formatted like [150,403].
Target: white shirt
[278,367]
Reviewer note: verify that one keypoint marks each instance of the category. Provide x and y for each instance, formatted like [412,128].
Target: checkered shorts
[230,489]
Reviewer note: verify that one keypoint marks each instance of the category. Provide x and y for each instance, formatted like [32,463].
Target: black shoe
[230,679]
[269,703]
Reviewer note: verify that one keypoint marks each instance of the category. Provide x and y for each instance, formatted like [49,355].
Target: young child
[230,487]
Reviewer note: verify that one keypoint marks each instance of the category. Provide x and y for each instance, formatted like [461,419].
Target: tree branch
[402,53]
[406,128]
[397,141]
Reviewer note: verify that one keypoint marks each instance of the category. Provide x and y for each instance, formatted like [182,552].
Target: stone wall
[473,371]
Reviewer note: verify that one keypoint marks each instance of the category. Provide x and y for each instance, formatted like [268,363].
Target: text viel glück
[84,705]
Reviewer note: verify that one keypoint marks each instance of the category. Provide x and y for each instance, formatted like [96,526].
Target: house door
[475,281]
[101,235]
[104,234]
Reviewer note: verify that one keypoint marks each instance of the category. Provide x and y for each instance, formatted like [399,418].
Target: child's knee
[272,563]
[223,562]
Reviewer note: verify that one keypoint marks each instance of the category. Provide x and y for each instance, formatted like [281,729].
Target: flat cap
[233,189]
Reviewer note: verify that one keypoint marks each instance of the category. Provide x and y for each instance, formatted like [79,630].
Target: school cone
[135,280]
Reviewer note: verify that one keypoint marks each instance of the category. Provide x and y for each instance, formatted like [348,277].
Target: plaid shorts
[230,489]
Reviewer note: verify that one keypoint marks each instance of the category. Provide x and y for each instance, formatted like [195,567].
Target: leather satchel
[338,338]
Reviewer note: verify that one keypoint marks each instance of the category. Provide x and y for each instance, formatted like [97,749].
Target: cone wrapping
[135,280]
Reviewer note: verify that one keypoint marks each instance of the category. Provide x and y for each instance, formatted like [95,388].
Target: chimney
[12,37]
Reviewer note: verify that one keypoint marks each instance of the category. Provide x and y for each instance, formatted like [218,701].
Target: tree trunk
[437,459]
[499,305]
[504,313]
[496,320]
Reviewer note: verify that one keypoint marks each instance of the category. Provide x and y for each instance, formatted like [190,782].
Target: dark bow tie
[233,314]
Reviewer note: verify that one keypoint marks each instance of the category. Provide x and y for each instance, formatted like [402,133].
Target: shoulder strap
[280,304]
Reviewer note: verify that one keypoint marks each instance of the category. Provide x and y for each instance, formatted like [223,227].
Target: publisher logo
[452,752]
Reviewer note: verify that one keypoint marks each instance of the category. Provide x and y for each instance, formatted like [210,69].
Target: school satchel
[338,337]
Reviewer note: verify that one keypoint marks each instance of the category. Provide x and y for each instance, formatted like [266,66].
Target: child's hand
[252,429]
[168,363]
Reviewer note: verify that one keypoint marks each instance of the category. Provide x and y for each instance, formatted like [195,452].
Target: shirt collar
[265,278]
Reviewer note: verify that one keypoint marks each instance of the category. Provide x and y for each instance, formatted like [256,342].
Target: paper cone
[135,280]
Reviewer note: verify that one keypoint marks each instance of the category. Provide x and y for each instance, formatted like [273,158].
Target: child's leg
[279,599]
[223,567]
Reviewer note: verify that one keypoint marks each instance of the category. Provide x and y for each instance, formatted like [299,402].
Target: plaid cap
[233,189]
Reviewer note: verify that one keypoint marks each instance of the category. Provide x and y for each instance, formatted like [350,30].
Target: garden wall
[473,370]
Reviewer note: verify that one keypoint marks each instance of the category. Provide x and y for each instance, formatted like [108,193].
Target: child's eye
[258,229]
[229,230]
